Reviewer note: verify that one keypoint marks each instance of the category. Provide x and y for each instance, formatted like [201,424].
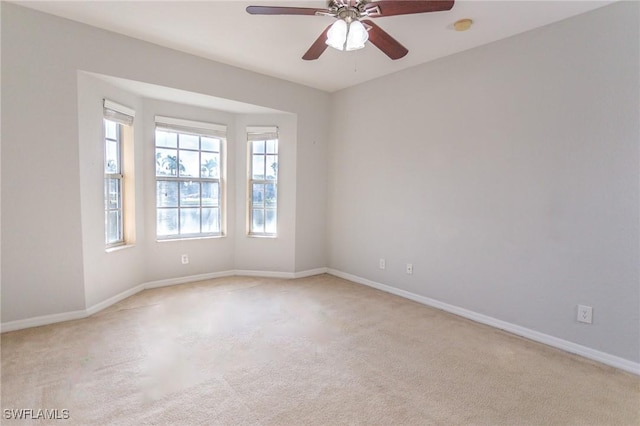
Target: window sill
[208,237]
[119,248]
[262,236]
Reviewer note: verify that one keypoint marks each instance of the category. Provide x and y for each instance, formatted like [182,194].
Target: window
[117,121]
[189,178]
[263,180]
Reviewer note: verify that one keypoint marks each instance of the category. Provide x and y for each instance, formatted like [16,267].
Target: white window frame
[121,116]
[256,134]
[201,130]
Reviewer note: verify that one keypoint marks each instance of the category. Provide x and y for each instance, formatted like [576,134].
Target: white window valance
[119,113]
[261,133]
[190,126]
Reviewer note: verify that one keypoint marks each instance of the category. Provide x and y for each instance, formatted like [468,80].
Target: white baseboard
[265,274]
[188,279]
[310,273]
[113,300]
[42,320]
[73,315]
[603,357]
[285,275]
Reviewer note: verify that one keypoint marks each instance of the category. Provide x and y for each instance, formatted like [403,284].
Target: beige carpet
[319,350]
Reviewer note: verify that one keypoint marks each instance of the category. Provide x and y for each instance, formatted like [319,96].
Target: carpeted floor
[318,350]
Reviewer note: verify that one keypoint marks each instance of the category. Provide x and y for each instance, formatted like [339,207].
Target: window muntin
[263,182]
[188,183]
[113,177]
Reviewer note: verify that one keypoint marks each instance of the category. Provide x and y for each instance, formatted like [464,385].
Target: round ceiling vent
[462,24]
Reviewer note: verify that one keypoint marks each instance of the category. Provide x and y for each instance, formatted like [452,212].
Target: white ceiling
[274,45]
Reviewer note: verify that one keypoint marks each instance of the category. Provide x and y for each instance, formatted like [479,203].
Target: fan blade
[406,7]
[318,46]
[383,41]
[277,10]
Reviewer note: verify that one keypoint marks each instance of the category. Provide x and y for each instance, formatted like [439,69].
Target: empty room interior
[214,213]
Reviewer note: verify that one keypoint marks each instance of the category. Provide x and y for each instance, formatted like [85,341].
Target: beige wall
[507,175]
[46,270]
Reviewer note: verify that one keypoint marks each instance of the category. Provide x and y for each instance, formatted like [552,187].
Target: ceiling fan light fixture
[357,36]
[337,34]
[345,35]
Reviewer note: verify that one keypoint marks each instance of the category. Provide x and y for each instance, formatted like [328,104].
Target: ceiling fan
[351,30]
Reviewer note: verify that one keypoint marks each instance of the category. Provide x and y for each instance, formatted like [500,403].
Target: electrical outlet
[585,314]
[409,268]
[185,259]
[383,264]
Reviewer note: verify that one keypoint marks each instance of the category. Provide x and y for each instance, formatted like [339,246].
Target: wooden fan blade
[318,46]
[383,41]
[277,10]
[407,7]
